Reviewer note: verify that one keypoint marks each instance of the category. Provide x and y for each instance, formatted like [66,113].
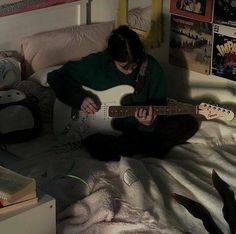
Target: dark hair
[124,45]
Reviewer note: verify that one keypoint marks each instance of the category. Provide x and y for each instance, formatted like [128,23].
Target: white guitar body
[71,127]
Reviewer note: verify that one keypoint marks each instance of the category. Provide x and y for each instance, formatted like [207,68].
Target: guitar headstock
[215,112]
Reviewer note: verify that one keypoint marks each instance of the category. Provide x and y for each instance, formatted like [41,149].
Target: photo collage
[203,36]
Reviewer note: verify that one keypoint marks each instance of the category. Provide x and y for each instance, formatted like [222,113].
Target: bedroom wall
[14,27]
[183,84]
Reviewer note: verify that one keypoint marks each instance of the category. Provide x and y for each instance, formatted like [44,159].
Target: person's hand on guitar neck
[88,106]
[144,116]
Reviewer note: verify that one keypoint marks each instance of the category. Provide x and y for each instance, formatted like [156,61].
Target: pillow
[41,75]
[56,47]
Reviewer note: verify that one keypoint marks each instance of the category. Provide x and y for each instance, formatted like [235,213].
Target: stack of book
[16,191]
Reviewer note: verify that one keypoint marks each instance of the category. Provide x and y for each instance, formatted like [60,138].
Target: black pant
[168,131]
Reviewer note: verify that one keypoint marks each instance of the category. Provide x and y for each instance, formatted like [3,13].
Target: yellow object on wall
[151,38]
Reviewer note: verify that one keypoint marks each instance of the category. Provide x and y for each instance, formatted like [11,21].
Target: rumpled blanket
[99,195]
[135,195]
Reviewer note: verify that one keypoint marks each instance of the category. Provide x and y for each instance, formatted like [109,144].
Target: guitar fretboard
[125,111]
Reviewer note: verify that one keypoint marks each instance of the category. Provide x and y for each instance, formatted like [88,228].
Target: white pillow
[41,75]
[59,46]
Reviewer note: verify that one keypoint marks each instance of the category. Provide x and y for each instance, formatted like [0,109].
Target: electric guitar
[72,125]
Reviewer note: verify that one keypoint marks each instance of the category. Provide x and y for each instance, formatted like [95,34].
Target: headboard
[14,27]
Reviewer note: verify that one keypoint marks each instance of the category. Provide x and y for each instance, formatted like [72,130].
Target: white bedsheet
[104,202]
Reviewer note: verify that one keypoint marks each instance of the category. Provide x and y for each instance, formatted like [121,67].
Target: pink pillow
[56,47]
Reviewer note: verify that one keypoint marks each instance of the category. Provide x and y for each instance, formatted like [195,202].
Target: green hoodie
[98,71]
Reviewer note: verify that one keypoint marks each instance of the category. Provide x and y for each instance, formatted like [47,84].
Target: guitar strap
[140,79]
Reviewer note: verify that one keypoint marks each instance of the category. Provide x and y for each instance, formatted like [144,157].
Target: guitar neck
[126,111]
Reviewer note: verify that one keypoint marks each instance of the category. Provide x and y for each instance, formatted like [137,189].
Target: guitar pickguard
[70,126]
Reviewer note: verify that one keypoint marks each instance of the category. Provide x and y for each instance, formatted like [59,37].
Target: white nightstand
[36,219]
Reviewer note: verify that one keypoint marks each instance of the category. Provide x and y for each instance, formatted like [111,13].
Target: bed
[134,195]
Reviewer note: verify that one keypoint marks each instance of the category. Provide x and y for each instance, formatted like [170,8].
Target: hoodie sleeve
[66,84]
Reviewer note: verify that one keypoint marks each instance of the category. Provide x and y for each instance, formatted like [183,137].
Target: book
[198,10]
[24,198]
[225,12]
[190,44]
[14,186]
[19,205]
[224,52]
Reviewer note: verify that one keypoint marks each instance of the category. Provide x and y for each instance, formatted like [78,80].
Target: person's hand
[145,117]
[88,106]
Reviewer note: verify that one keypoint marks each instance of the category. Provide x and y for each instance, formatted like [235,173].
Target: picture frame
[198,10]
[151,38]
[190,44]
[225,12]
[223,54]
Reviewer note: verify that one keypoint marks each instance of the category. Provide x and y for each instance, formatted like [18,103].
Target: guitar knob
[66,129]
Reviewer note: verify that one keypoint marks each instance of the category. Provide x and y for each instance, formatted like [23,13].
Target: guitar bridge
[74,114]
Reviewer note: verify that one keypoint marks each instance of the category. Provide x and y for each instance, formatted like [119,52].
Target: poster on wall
[224,52]
[190,44]
[193,9]
[225,12]
[10,7]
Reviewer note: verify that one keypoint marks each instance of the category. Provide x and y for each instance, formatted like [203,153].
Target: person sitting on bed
[124,62]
